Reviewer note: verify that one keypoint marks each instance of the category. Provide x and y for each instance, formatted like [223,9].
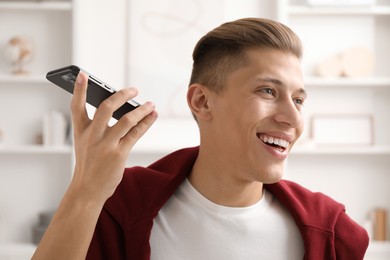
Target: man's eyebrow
[279,83]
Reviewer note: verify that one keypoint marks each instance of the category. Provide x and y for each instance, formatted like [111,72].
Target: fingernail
[79,79]
[150,104]
[154,113]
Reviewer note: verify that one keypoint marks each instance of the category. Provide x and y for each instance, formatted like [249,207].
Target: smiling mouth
[278,143]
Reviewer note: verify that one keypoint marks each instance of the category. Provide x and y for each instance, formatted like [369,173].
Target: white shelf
[35,149]
[340,150]
[378,250]
[49,25]
[348,82]
[342,10]
[297,150]
[380,245]
[29,78]
[43,5]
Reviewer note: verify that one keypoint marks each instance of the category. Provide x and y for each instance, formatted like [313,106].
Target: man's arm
[101,153]
[351,240]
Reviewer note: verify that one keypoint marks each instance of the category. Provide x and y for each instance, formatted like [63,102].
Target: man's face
[257,117]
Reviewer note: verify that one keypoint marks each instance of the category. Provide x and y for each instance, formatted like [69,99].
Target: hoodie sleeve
[108,239]
[351,240]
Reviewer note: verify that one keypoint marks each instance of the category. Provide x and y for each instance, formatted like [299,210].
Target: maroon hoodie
[124,226]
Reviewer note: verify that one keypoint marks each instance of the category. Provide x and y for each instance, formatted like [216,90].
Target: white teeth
[274,140]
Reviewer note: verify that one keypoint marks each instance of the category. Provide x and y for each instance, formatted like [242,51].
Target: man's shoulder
[317,213]
[302,194]
[307,207]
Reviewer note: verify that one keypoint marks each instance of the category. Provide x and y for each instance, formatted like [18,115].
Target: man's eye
[299,101]
[269,91]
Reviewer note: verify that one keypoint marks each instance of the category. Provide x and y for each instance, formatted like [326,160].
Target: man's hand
[101,150]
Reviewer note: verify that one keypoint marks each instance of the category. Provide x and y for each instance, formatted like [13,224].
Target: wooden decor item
[380,224]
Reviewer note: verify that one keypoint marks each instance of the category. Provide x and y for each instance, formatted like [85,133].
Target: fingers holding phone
[139,121]
[134,118]
[107,105]
[102,150]
[130,126]
[78,103]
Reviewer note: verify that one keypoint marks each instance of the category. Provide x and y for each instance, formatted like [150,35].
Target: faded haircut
[223,50]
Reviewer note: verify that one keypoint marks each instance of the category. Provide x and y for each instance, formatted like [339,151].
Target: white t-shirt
[190,226]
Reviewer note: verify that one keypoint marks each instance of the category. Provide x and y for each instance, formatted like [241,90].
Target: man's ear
[198,101]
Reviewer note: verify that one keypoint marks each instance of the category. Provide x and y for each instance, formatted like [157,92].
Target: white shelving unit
[367,82]
[342,150]
[353,175]
[36,149]
[29,79]
[341,10]
[37,6]
[33,177]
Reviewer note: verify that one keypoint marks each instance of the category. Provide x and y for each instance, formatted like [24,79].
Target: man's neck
[220,182]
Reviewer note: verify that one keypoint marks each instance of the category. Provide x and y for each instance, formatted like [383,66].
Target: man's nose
[289,114]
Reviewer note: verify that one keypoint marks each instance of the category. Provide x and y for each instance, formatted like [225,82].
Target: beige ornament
[357,62]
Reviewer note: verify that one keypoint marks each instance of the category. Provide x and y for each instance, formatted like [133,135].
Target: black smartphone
[97,90]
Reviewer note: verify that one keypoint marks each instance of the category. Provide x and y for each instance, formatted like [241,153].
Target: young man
[222,200]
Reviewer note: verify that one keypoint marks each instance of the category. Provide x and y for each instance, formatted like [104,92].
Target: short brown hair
[222,50]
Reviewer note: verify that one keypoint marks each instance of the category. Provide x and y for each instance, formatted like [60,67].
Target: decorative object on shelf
[380,224]
[54,129]
[353,62]
[38,139]
[39,229]
[18,51]
[336,129]
[340,2]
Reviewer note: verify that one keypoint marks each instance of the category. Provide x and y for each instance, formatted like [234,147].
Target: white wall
[162,37]
[100,34]
[148,43]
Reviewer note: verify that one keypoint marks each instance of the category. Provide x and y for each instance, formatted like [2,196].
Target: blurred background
[344,151]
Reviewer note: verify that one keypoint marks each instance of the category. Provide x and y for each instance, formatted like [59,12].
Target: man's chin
[273,176]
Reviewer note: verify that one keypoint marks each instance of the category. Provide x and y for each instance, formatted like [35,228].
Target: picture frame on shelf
[348,129]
